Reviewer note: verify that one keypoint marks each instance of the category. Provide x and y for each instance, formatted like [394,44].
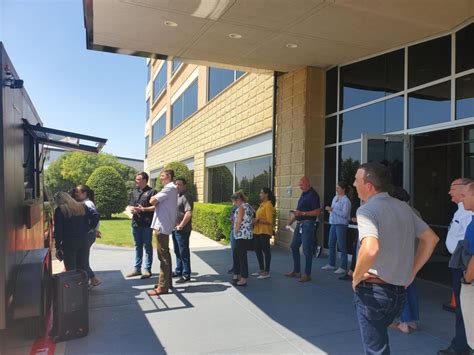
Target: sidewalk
[209,315]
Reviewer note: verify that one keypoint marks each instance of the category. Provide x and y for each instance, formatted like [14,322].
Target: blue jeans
[304,234]
[338,235]
[181,250]
[142,236]
[459,342]
[377,305]
[411,311]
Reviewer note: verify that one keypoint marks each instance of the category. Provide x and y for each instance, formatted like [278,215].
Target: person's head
[141,180]
[370,179]
[342,188]
[400,194]
[468,196]
[181,184]
[304,184]
[69,207]
[166,176]
[238,198]
[456,189]
[84,192]
[266,194]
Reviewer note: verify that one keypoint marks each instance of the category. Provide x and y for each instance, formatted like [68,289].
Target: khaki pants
[162,246]
[467,307]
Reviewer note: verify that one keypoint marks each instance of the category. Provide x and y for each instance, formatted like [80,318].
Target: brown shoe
[292,274]
[157,292]
[146,275]
[134,273]
[304,278]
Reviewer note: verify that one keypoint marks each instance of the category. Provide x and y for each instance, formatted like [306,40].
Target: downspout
[274,121]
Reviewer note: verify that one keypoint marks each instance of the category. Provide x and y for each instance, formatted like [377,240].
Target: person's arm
[469,275]
[58,228]
[238,221]
[140,208]
[186,218]
[93,216]
[368,252]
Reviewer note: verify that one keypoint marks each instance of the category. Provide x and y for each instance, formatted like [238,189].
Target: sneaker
[146,275]
[346,277]
[340,271]
[183,280]
[328,267]
[134,273]
[175,275]
[292,274]
[255,274]
[264,276]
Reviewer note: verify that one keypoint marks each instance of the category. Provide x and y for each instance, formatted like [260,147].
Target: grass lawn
[116,231]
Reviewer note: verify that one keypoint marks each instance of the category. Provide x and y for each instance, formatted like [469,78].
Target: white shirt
[166,210]
[457,228]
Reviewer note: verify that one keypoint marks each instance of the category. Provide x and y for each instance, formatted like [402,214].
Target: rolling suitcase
[70,305]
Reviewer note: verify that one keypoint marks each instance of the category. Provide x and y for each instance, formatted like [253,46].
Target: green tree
[110,191]
[180,170]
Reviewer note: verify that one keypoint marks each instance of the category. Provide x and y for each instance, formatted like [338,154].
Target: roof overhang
[325,32]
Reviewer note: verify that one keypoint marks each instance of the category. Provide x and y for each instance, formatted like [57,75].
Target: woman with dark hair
[84,193]
[72,222]
[339,216]
[263,230]
[243,237]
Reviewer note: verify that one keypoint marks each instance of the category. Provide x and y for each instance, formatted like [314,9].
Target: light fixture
[170,24]
[235,35]
[291,45]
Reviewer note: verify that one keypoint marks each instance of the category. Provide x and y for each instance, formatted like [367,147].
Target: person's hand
[178,227]
[328,208]
[297,213]
[139,208]
[133,210]
[356,280]
[354,220]
[98,234]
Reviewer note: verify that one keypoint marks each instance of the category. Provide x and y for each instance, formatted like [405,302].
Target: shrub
[110,191]
[212,220]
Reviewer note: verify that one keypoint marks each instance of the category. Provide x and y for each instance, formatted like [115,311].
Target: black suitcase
[70,305]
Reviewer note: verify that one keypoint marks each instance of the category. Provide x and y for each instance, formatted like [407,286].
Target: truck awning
[64,139]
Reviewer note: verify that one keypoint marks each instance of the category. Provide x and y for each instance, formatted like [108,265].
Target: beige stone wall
[299,140]
[243,110]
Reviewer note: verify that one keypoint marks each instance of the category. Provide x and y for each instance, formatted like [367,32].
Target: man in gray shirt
[387,262]
[163,223]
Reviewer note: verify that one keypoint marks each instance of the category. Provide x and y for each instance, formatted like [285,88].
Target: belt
[306,221]
[375,280]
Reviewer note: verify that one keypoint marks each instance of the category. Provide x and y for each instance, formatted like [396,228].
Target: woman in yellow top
[263,230]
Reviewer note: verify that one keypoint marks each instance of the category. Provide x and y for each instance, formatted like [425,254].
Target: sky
[72,88]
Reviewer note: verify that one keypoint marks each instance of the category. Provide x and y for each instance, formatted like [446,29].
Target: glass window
[349,162]
[465,49]
[253,175]
[220,79]
[159,84]
[146,146]
[159,129]
[147,114]
[429,61]
[331,91]
[329,177]
[429,106]
[331,130]
[382,117]
[371,79]
[185,105]
[221,183]
[465,96]
[175,65]
[148,71]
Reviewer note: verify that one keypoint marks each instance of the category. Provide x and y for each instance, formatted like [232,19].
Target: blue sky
[71,87]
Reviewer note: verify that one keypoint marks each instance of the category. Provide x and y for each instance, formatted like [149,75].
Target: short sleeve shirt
[396,226]
[470,236]
[265,211]
[142,198]
[457,228]
[309,201]
[185,204]
[166,210]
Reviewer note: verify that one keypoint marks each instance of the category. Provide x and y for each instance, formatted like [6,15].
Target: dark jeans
[411,311]
[76,255]
[459,342]
[377,305]
[262,248]
[354,253]
[304,234]
[181,250]
[91,239]
[143,237]
[241,266]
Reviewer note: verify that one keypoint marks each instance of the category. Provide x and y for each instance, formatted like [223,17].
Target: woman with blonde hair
[72,222]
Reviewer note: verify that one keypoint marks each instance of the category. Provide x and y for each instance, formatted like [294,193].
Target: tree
[180,170]
[74,168]
[110,191]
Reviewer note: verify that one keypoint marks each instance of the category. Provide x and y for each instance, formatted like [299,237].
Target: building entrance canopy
[279,35]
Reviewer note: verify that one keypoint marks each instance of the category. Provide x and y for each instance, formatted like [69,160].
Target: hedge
[212,220]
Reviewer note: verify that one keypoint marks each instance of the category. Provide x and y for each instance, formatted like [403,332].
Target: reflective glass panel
[221,183]
[331,91]
[159,129]
[253,175]
[147,113]
[382,117]
[185,105]
[429,106]
[331,130]
[465,96]
[219,79]
[159,84]
[329,177]
[465,48]
[371,79]
[175,65]
[349,162]
[429,61]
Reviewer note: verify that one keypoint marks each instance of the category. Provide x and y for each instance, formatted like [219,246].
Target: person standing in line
[182,232]
[456,232]
[467,287]
[232,238]
[306,217]
[164,221]
[339,216]
[142,215]
[263,230]
[83,193]
[243,237]
[387,262]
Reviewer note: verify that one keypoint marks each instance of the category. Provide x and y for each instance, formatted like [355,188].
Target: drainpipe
[275,88]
